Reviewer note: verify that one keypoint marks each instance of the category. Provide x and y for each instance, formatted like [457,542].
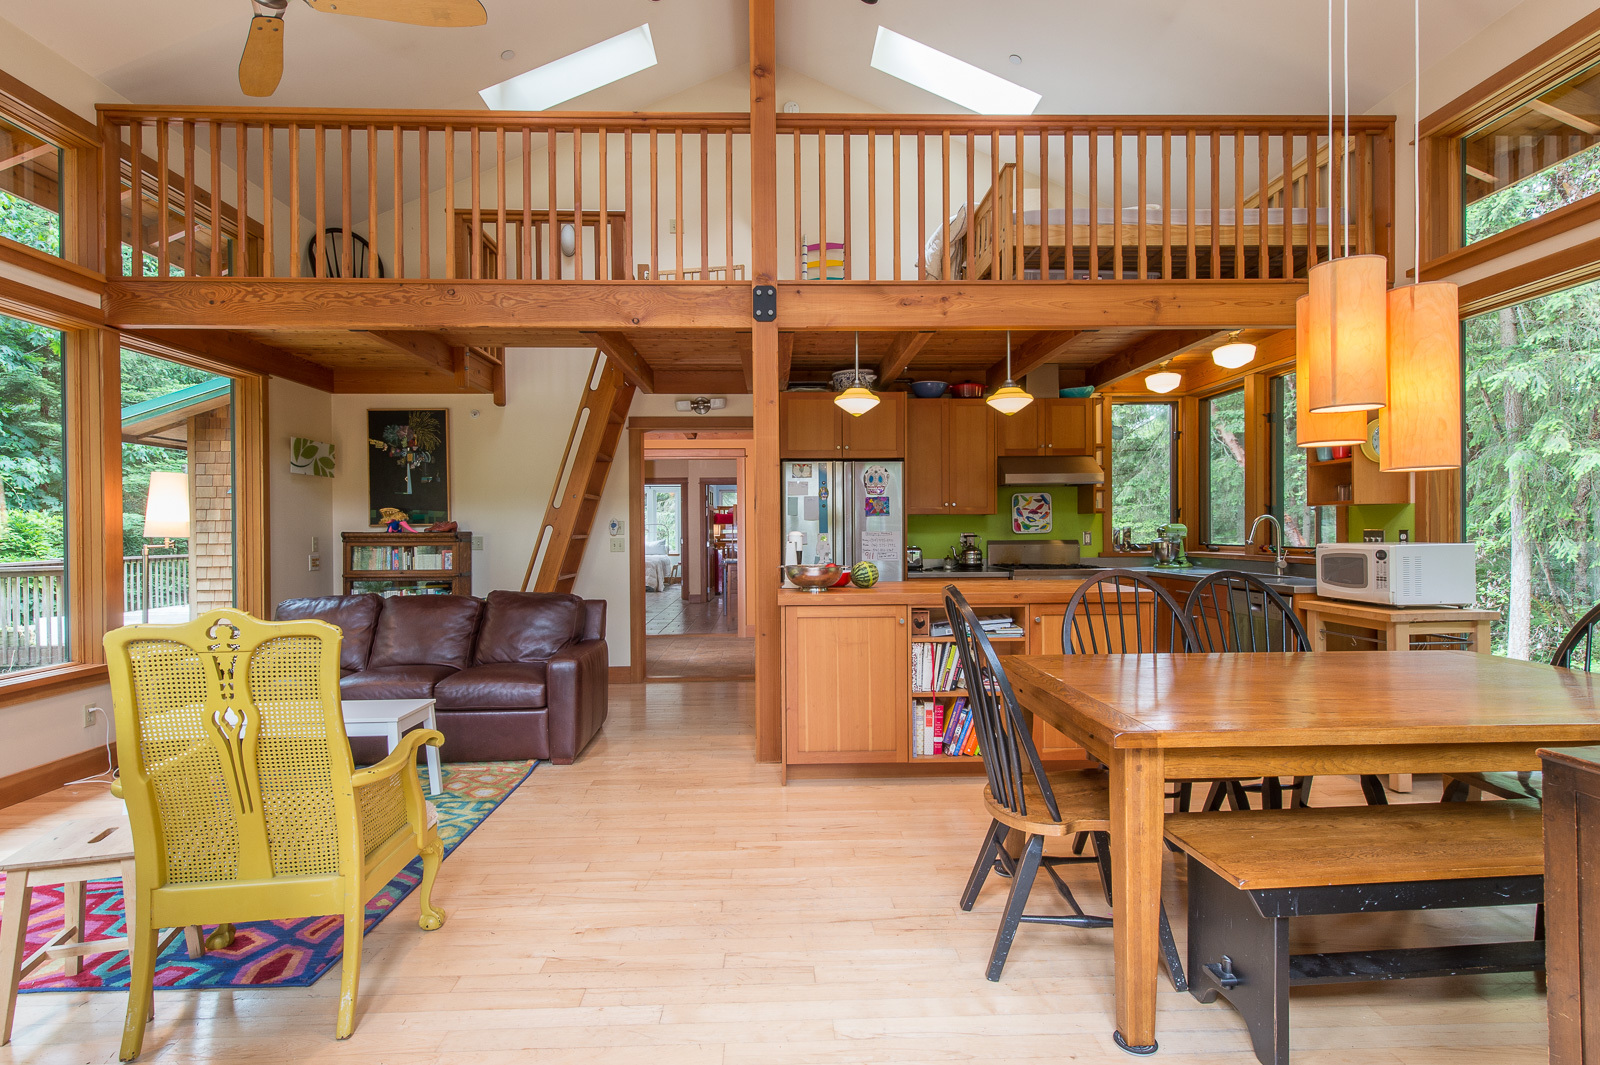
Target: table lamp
[166,516]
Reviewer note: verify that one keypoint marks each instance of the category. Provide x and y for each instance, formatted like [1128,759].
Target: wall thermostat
[618,527]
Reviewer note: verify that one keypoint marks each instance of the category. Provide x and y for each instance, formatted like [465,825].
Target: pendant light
[1420,429]
[1349,309]
[1008,398]
[1163,380]
[1235,353]
[855,400]
[1318,430]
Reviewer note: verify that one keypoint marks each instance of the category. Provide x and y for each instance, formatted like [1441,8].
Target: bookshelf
[938,694]
[408,563]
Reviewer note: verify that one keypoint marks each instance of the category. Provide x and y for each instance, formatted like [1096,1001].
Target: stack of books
[998,626]
[937,729]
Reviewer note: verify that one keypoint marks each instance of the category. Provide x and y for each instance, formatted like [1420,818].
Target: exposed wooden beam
[1272,352]
[30,154]
[1481,175]
[698,382]
[1566,118]
[420,382]
[747,362]
[619,349]
[1030,355]
[785,359]
[234,352]
[1148,352]
[901,352]
[430,348]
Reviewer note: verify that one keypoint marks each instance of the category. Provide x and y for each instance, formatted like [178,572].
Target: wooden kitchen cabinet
[846,684]
[811,426]
[1044,638]
[1047,427]
[950,449]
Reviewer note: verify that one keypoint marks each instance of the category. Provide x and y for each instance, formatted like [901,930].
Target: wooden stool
[71,855]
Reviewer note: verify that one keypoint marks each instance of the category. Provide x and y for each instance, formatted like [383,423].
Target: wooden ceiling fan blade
[414,12]
[261,66]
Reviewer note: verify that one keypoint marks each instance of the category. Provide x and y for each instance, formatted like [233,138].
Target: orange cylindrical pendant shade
[1348,331]
[1420,428]
[1318,430]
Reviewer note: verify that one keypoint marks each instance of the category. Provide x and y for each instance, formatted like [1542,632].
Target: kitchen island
[862,674]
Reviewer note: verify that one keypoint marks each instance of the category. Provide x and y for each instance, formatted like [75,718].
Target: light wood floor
[665,901]
[700,657]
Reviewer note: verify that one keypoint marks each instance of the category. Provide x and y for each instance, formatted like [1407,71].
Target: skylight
[573,75]
[945,75]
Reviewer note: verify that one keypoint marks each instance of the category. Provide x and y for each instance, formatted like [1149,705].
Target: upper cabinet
[811,426]
[950,457]
[1047,427]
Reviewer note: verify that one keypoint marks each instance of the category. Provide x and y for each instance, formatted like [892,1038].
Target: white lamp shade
[1234,355]
[166,508]
[1420,427]
[855,401]
[1348,333]
[1163,381]
[1009,400]
[1318,430]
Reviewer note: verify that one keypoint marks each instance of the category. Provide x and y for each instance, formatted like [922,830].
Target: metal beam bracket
[764,299]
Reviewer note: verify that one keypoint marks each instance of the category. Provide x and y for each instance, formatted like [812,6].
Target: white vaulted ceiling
[1084,56]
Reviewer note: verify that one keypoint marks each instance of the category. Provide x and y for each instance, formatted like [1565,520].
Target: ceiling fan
[261,66]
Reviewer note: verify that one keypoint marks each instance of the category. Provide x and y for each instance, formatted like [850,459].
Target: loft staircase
[591,450]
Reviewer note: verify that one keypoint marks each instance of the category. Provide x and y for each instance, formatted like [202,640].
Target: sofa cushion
[394,682]
[496,686]
[432,629]
[355,616]
[527,626]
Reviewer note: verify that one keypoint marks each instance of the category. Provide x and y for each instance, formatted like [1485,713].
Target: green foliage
[1555,186]
[28,223]
[32,536]
[1141,467]
[1225,514]
[32,464]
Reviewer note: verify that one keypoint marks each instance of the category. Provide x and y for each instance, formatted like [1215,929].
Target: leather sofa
[515,676]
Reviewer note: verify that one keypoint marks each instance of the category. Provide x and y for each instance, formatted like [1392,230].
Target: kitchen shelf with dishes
[1352,478]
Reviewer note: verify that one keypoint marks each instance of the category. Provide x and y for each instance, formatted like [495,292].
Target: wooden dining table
[1153,718]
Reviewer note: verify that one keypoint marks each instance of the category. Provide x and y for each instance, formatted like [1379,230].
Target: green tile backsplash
[936,534]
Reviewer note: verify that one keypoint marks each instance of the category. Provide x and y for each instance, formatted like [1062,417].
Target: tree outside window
[1142,465]
[1224,466]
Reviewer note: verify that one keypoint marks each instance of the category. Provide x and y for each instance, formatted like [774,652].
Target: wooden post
[764,482]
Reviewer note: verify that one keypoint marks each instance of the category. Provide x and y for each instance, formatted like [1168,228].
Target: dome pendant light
[1008,398]
[1420,429]
[1163,380]
[855,400]
[1235,353]
[1349,309]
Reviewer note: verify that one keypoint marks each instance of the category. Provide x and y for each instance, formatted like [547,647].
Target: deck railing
[33,604]
[562,197]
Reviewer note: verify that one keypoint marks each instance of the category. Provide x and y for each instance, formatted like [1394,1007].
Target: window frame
[1175,490]
[79,140]
[1202,534]
[1275,475]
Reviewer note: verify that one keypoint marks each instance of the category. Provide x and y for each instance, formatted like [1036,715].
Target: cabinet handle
[847,447]
[1038,620]
[902,621]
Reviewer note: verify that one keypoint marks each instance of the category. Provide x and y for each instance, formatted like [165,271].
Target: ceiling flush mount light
[1163,380]
[1008,398]
[946,76]
[855,400]
[1318,430]
[1235,353]
[573,75]
[701,404]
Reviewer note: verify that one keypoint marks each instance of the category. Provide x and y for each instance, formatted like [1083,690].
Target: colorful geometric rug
[268,953]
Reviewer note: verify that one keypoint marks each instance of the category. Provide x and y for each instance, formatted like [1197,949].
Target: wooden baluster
[678,263]
[799,232]
[602,226]
[971,272]
[1166,205]
[822,204]
[1094,203]
[136,200]
[372,202]
[727,204]
[1363,195]
[111,197]
[577,204]
[347,264]
[895,201]
[847,195]
[163,196]
[475,242]
[214,143]
[1240,270]
[705,205]
[1191,206]
[627,197]
[1069,250]
[1216,205]
[500,201]
[452,231]
[1044,205]
[425,220]
[1288,206]
[872,205]
[1264,252]
[1313,199]
[944,213]
[397,177]
[922,197]
[319,154]
[998,267]
[655,216]
[527,267]
[294,200]
[1338,223]
[188,197]
[552,221]
[238,265]
[1142,189]
[1020,185]
[1116,204]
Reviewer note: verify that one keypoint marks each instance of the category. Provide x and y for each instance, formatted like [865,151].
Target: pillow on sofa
[425,630]
[528,626]
[354,615]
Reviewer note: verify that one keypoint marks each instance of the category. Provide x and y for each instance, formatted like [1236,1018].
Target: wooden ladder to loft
[591,449]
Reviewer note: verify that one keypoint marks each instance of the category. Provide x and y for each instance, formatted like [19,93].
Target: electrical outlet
[314,563]
[89,710]
[477,543]
[618,545]
[1088,539]
[1372,536]
[1405,536]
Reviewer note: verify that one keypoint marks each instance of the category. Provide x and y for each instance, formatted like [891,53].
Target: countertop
[1286,583]
[981,592]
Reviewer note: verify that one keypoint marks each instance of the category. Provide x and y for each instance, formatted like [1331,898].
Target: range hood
[1062,469]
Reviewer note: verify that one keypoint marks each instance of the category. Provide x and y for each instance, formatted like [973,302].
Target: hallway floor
[700,658]
[666,614]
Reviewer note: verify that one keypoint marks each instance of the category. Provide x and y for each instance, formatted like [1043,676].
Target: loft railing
[892,197]
[562,197]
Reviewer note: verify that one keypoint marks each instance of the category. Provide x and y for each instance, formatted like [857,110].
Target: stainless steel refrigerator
[846,512]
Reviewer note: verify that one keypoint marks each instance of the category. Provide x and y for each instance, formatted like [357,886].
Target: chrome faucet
[1279,554]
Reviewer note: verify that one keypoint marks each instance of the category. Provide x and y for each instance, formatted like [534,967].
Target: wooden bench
[1250,871]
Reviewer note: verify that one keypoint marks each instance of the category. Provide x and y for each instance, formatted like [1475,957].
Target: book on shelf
[999,625]
[935,667]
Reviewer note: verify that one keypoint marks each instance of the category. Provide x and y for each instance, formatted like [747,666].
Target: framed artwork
[310,458]
[408,465]
[1030,512]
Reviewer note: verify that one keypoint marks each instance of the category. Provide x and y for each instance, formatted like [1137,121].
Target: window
[1223,469]
[30,189]
[1303,524]
[33,498]
[663,518]
[1143,468]
[1526,162]
[1532,477]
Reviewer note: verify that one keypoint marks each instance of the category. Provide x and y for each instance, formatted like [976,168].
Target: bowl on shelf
[843,379]
[928,389]
[814,578]
[967,390]
[1077,392]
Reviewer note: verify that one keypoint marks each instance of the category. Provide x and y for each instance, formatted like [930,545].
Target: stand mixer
[1167,548]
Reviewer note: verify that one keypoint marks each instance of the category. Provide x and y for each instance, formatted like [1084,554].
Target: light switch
[314,563]
[618,545]
[477,543]
[1088,538]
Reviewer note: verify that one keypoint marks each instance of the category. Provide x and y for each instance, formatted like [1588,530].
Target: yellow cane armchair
[243,799]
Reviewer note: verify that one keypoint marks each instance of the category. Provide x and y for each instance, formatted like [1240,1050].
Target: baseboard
[624,675]
[19,787]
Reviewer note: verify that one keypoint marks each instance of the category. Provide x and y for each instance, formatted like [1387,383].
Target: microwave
[1399,574]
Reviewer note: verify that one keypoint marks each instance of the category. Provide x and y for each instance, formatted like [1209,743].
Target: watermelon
[864,574]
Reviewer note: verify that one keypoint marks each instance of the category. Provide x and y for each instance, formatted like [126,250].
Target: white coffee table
[387,719]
